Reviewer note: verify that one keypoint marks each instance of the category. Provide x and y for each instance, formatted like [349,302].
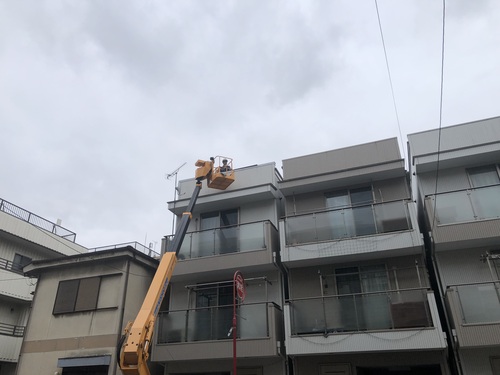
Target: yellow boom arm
[133,349]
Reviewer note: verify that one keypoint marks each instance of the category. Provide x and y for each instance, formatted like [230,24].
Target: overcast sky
[99,100]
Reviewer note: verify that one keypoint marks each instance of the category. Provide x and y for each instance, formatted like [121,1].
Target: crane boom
[133,348]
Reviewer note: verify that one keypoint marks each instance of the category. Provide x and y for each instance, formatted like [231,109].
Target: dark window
[19,262]
[77,295]
[219,219]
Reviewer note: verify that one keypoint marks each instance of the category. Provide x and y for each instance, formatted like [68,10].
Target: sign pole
[239,291]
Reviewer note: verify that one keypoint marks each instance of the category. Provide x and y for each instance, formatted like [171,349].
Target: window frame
[73,297]
[19,264]
[492,167]
[219,214]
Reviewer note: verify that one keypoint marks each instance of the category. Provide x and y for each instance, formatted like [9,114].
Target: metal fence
[36,220]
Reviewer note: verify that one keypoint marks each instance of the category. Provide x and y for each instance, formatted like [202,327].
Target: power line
[390,78]
[440,112]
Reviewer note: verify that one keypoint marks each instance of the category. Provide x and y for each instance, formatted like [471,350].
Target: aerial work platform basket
[222,174]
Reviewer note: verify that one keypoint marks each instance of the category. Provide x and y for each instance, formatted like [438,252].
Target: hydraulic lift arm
[134,346]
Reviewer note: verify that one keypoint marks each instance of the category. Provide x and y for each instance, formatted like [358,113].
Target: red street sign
[240,286]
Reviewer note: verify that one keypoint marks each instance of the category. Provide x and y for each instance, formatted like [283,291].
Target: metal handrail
[388,291]
[350,207]
[136,245]
[11,330]
[459,190]
[37,221]
[10,266]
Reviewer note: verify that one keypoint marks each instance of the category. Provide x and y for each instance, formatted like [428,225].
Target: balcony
[15,286]
[341,231]
[251,245]
[11,330]
[403,319]
[475,311]
[202,333]
[464,217]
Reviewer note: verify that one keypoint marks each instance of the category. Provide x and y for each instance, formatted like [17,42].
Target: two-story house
[456,173]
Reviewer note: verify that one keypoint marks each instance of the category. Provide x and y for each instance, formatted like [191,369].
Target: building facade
[80,308]
[24,236]
[231,230]
[352,265]
[456,172]
[359,299]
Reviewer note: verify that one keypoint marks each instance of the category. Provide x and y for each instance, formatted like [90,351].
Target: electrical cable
[440,115]
[390,78]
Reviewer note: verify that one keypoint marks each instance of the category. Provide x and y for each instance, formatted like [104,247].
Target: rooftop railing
[136,245]
[349,222]
[36,220]
[465,205]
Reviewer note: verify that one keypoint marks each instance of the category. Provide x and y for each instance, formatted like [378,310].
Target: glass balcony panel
[480,303]
[252,237]
[226,240]
[347,223]
[453,207]
[252,321]
[300,229]
[361,312]
[375,311]
[486,202]
[203,244]
[392,217]
[172,327]
[213,323]
[185,250]
[364,223]
[341,223]
[307,316]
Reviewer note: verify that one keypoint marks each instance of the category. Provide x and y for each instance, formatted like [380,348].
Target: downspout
[122,312]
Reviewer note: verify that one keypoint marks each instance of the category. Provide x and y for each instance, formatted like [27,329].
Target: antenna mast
[176,191]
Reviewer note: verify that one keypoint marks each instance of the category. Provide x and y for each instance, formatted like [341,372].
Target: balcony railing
[225,240]
[36,220]
[348,222]
[466,205]
[11,266]
[213,323]
[11,330]
[361,312]
[479,302]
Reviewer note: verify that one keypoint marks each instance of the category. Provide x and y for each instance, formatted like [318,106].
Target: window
[352,215]
[77,295]
[223,238]
[483,176]
[361,307]
[214,313]
[19,262]
[218,219]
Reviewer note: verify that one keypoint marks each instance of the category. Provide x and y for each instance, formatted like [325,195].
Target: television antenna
[176,190]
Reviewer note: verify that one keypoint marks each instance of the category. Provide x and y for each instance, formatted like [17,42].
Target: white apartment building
[24,236]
